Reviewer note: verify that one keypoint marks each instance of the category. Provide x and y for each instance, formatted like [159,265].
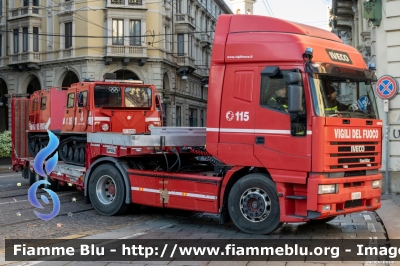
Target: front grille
[343,155]
[353,203]
[354,173]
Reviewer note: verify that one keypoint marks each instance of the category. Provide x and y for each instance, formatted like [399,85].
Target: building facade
[46,43]
[373,27]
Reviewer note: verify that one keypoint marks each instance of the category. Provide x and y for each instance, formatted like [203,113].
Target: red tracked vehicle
[70,113]
[264,165]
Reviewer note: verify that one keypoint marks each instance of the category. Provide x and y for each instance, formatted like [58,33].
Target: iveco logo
[357,148]
[339,56]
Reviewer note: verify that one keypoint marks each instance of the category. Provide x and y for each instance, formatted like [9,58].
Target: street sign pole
[386,88]
[386,109]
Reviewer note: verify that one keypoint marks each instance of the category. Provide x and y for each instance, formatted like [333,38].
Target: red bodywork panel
[193,192]
[94,115]
[19,134]
[46,110]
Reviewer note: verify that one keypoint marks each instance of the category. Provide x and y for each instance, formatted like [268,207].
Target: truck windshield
[339,97]
[137,97]
[107,96]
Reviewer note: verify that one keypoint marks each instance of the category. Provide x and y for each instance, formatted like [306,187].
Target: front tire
[253,204]
[107,190]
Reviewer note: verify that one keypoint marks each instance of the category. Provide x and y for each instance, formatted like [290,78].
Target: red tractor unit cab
[292,135]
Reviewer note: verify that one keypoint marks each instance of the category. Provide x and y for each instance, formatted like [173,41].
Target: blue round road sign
[386,87]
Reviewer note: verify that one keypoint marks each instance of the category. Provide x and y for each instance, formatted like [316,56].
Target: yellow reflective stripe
[331,109]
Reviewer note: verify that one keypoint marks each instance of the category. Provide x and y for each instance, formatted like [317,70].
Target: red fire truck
[292,134]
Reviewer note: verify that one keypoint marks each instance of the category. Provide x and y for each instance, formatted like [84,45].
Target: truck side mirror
[294,77]
[295,98]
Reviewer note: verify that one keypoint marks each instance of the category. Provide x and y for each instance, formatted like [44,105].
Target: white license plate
[356,195]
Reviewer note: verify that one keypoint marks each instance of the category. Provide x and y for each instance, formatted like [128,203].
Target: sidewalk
[390,214]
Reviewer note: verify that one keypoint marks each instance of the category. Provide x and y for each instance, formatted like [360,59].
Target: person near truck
[278,99]
[332,103]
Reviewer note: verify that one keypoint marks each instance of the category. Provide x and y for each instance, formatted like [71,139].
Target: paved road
[79,220]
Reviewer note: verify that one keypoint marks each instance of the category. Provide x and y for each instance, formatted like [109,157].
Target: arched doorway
[34,85]
[126,74]
[70,78]
[3,106]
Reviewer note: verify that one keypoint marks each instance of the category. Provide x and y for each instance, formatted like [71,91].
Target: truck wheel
[321,221]
[33,177]
[53,184]
[107,190]
[253,204]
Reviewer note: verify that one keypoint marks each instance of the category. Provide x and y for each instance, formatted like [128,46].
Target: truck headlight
[327,189]
[376,184]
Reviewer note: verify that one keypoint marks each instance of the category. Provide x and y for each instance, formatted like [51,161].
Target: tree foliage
[5,144]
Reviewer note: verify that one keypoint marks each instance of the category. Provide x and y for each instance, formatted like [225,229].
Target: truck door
[69,115]
[238,115]
[279,142]
[82,111]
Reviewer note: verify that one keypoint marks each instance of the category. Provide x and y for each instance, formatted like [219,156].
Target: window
[192,117]
[1,6]
[35,2]
[1,45]
[195,18]
[134,28]
[43,103]
[36,39]
[178,116]
[34,105]
[16,41]
[189,8]
[118,32]
[274,91]
[107,96]
[137,97]
[68,35]
[191,46]
[181,45]
[25,44]
[166,38]
[202,118]
[179,7]
[26,2]
[71,100]
[273,95]
[82,99]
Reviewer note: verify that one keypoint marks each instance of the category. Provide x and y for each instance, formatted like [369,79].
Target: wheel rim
[255,205]
[106,189]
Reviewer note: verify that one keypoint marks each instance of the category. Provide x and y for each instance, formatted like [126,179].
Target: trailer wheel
[253,204]
[33,177]
[53,184]
[107,190]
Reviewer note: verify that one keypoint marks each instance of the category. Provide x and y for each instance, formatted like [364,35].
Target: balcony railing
[184,18]
[24,11]
[25,57]
[185,61]
[124,3]
[123,51]
[203,71]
